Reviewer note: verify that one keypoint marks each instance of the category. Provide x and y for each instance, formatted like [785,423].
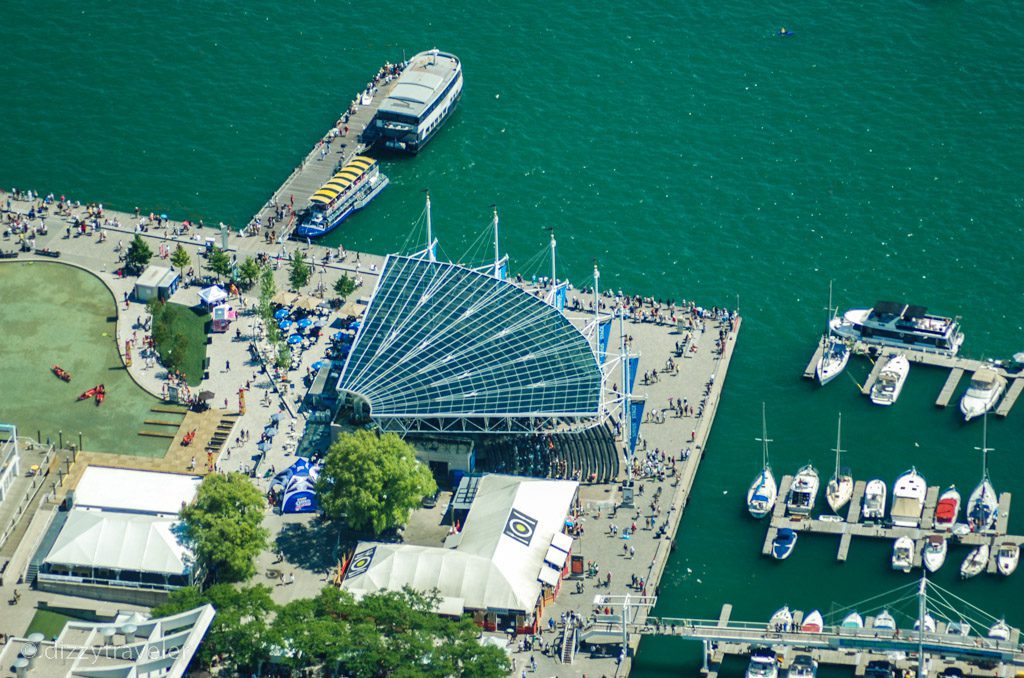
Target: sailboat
[763,491]
[835,354]
[975,562]
[983,506]
[840,486]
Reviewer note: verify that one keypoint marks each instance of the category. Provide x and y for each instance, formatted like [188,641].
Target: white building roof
[135,491]
[499,561]
[120,541]
[152,276]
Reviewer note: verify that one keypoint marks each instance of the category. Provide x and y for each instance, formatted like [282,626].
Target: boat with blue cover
[783,544]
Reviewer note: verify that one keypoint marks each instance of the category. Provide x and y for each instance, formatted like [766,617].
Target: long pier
[957,365]
[851,526]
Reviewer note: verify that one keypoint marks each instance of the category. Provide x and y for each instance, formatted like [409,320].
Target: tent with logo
[296,485]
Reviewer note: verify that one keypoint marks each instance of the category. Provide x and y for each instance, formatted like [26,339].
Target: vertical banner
[636,416]
[606,332]
[634,363]
[560,296]
[503,270]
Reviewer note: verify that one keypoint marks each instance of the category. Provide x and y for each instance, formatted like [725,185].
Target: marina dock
[851,527]
[949,387]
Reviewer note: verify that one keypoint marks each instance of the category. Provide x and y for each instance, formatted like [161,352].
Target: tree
[268,289]
[224,526]
[220,263]
[248,272]
[174,356]
[298,274]
[284,353]
[137,257]
[240,633]
[180,258]
[371,481]
[344,286]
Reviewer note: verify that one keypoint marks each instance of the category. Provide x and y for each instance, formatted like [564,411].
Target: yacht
[783,544]
[890,381]
[349,190]
[959,628]
[803,666]
[986,387]
[934,553]
[929,624]
[813,623]
[835,354]
[983,505]
[1007,558]
[763,492]
[902,326]
[908,499]
[853,621]
[782,620]
[425,96]
[903,554]
[975,562]
[763,664]
[948,508]
[840,485]
[1000,630]
[803,491]
[885,620]
[873,507]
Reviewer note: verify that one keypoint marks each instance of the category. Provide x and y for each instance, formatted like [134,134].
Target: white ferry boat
[350,189]
[425,96]
[901,325]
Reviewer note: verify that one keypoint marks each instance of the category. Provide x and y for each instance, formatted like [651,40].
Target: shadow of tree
[310,546]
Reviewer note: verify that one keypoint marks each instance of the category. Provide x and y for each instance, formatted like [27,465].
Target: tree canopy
[372,482]
[180,258]
[224,526]
[220,263]
[383,634]
[299,271]
[248,272]
[344,286]
[137,257]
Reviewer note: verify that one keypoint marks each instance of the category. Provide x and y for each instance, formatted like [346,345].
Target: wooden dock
[811,366]
[852,527]
[873,377]
[949,387]
[1012,393]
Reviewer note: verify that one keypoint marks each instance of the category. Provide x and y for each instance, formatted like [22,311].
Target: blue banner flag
[605,329]
[634,362]
[636,415]
[503,271]
[560,297]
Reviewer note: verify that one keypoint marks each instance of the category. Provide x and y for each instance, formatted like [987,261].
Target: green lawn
[192,323]
[49,623]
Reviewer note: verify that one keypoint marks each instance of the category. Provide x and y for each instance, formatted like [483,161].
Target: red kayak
[88,394]
[101,394]
[188,437]
[61,373]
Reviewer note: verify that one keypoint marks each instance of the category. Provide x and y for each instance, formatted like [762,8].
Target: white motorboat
[853,621]
[835,354]
[763,664]
[885,620]
[782,620]
[902,326]
[840,485]
[803,491]
[948,508]
[1007,558]
[959,628]
[1000,630]
[784,543]
[934,553]
[929,624]
[813,623]
[986,388]
[975,562]
[908,499]
[983,505]
[873,507]
[763,492]
[803,666]
[886,390]
[903,554]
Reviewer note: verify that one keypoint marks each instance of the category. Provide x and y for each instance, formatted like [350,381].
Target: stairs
[569,643]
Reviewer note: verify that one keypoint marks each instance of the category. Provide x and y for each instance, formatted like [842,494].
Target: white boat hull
[1007,559]
[886,391]
[975,562]
[839,492]
[873,504]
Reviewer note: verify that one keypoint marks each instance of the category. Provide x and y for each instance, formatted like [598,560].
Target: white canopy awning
[548,576]
[212,295]
[562,541]
[555,557]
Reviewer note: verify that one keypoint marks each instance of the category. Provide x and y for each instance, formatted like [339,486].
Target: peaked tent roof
[442,340]
[119,541]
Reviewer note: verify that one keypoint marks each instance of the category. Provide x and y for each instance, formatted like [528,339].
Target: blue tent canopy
[281,314]
[295,339]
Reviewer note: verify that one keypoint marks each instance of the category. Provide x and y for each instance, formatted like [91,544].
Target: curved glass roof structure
[443,341]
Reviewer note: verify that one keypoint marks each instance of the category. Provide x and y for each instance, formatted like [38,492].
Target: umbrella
[163,216]
[318,364]
[206,395]
[294,339]
[263,447]
[320,323]
[281,314]
[305,322]
[284,324]
[337,336]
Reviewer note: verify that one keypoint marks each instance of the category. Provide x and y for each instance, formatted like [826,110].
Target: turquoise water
[687,148]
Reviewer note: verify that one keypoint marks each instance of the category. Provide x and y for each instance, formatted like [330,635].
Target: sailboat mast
[554,279]
[430,232]
[839,437]
[922,611]
[828,311]
[597,314]
[497,252]
[764,439]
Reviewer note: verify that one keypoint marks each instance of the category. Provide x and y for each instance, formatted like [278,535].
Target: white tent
[213,295]
[134,491]
[119,541]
